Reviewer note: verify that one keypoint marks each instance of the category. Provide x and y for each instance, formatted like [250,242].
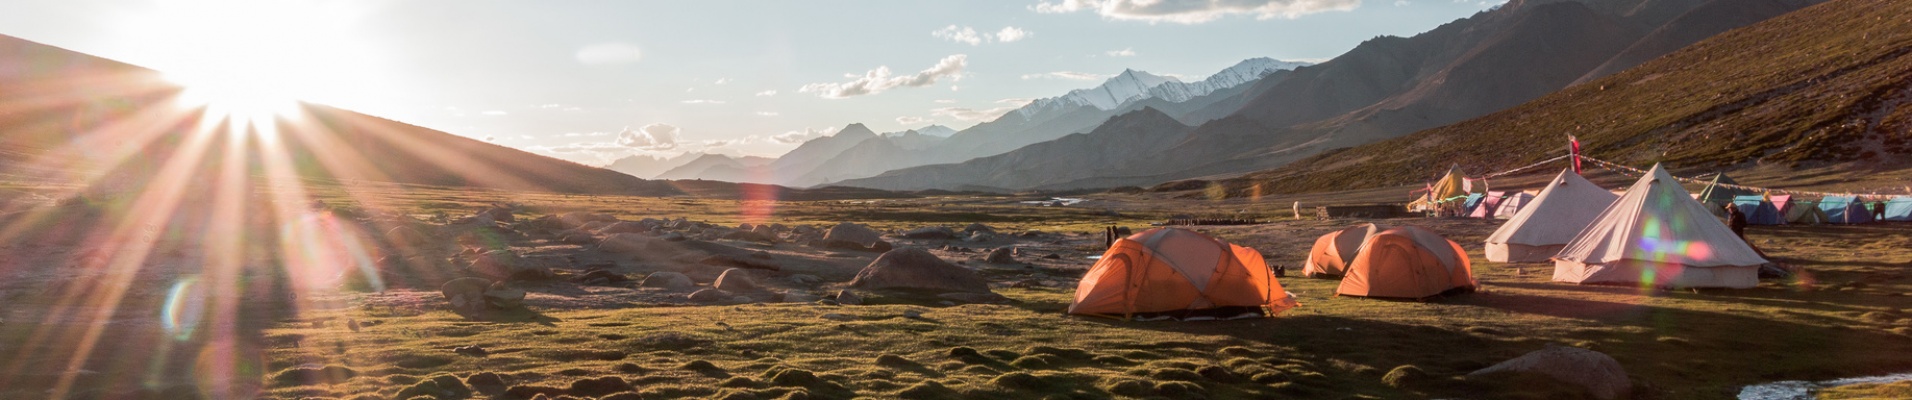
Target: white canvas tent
[1657,235]
[1545,224]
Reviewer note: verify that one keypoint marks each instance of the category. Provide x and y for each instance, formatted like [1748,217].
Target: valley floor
[1847,315]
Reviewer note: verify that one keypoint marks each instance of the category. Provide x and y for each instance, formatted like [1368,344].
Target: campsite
[1842,315]
[1016,199]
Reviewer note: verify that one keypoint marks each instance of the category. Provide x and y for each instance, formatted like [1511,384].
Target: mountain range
[857,152]
[1393,86]
[1826,85]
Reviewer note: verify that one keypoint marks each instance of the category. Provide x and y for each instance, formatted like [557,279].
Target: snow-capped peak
[1132,85]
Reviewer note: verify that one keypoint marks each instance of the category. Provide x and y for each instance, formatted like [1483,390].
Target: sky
[594,80]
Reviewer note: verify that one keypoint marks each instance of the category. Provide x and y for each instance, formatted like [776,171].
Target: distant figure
[1878,210]
[1736,220]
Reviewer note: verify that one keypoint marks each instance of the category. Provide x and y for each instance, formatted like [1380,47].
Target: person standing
[1736,220]
[1878,209]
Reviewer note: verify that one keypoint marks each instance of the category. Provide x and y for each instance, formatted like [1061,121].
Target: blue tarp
[1845,210]
[1473,200]
[1758,211]
[1898,209]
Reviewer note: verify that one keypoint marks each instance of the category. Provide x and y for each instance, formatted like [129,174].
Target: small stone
[667,280]
[912,314]
[472,350]
[798,297]
[837,317]
[848,298]
[709,296]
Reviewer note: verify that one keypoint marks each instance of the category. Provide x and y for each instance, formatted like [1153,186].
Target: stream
[1790,390]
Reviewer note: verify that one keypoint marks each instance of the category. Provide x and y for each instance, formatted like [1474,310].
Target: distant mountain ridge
[854,153]
[1392,86]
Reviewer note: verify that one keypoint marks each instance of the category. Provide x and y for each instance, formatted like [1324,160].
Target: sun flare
[241,102]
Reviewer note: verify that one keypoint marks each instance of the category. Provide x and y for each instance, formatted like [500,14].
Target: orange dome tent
[1407,262]
[1331,253]
[1167,272]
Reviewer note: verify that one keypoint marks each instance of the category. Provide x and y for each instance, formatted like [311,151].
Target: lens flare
[184,308]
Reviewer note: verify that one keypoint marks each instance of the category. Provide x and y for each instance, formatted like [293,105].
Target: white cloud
[908,120]
[583,134]
[609,54]
[1017,102]
[1011,34]
[945,101]
[1194,11]
[794,137]
[965,34]
[1127,52]
[650,137]
[958,35]
[494,112]
[702,101]
[767,93]
[879,79]
[491,138]
[1071,75]
[767,113]
[721,81]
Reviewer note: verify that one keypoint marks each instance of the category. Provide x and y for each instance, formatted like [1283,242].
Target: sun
[251,102]
[254,61]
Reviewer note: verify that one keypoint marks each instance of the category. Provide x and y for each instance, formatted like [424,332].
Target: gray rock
[465,293]
[976,298]
[848,298]
[915,268]
[930,232]
[798,297]
[805,279]
[1001,255]
[710,296]
[735,280]
[674,237]
[625,243]
[837,317]
[980,236]
[667,280]
[978,227]
[405,237]
[848,234]
[623,227]
[1599,373]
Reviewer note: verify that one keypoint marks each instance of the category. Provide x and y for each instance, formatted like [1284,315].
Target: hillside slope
[68,115]
[1392,86]
[1827,84]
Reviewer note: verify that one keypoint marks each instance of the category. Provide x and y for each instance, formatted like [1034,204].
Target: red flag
[1576,152]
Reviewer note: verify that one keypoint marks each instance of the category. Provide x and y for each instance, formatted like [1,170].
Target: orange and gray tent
[1168,271]
[1407,262]
[1331,253]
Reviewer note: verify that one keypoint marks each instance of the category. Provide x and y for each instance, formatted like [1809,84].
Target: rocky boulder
[977,227]
[710,296]
[623,227]
[1599,373]
[735,280]
[579,218]
[930,232]
[624,243]
[1001,255]
[725,260]
[915,268]
[667,280]
[507,264]
[406,237]
[477,294]
[852,236]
